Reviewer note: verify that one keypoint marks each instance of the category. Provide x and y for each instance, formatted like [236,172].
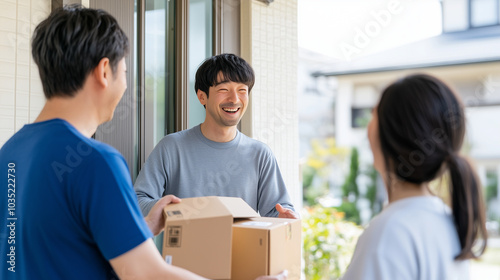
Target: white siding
[269,43]
[21,93]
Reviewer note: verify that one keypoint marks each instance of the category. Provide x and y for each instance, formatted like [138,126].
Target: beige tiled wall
[21,93]
[269,41]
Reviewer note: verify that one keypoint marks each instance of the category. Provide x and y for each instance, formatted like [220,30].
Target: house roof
[465,47]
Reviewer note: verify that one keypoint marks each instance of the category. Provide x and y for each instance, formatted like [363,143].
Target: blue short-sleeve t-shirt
[72,207]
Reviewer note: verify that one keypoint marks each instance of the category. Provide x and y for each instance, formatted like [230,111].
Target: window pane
[200,47]
[135,165]
[159,66]
[484,12]
[360,117]
[455,15]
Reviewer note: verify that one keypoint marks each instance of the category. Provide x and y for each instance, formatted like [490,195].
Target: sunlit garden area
[332,214]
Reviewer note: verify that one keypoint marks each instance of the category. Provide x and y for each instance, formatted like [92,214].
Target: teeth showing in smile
[230,110]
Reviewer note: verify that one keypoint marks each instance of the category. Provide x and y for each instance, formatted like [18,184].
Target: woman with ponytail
[416,134]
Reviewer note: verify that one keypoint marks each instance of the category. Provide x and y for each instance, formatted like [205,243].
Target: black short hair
[70,43]
[232,68]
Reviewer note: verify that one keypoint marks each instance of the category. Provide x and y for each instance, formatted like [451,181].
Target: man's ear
[202,96]
[102,72]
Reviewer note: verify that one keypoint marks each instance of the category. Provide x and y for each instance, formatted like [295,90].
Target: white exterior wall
[343,104]
[269,43]
[21,93]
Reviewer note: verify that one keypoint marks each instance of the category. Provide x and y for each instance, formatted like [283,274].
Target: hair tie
[452,156]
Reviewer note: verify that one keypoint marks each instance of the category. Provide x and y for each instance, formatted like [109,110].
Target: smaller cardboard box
[266,246]
[198,234]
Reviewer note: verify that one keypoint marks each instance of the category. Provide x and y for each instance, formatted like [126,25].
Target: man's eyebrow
[221,82]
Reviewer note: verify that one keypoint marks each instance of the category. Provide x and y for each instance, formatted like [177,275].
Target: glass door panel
[159,56]
[200,47]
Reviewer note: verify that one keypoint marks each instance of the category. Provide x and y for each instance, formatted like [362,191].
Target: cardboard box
[224,238]
[198,234]
[266,246]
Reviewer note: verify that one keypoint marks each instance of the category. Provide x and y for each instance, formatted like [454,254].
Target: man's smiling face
[226,102]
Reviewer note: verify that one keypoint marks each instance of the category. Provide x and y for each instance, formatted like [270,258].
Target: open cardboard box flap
[209,207]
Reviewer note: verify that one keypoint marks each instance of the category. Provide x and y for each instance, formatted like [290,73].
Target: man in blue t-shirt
[72,212]
[69,210]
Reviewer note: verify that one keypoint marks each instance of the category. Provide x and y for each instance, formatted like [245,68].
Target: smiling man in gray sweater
[214,158]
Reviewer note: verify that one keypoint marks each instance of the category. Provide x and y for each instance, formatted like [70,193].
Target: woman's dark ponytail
[467,206]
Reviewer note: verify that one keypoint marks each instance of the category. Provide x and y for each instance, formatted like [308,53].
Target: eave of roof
[479,45]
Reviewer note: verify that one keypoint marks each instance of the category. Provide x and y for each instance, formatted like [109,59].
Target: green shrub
[329,242]
[351,212]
